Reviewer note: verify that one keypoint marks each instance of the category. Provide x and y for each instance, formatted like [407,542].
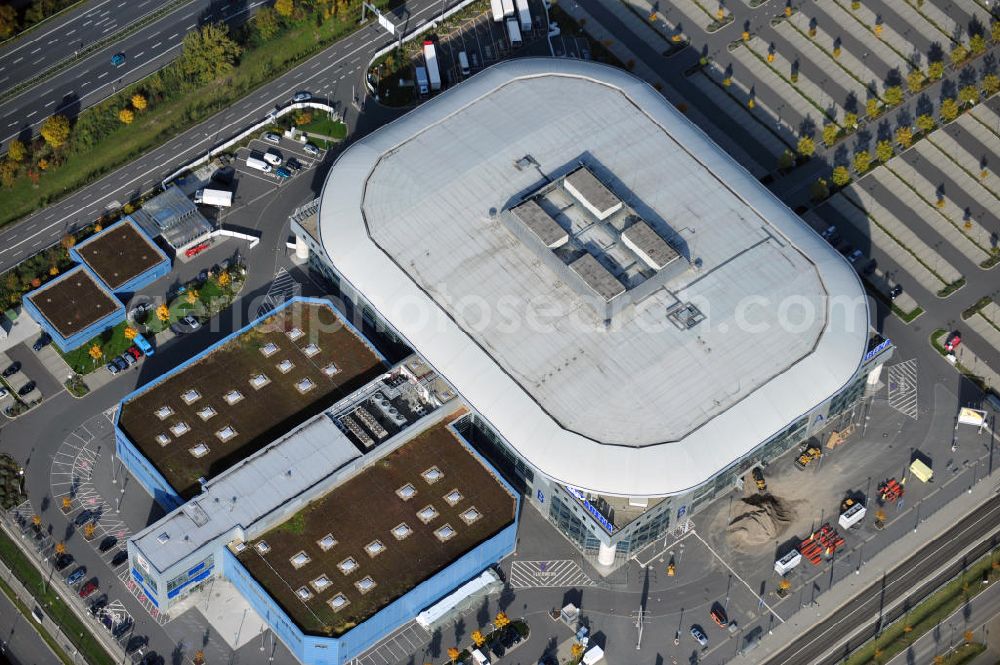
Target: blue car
[76,575]
[282,172]
[118,59]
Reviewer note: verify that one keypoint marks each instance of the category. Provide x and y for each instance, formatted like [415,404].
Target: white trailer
[508,8]
[433,73]
[852,515]
[787,562]
[258,164]
[514,33]
[214,197]
[497,7]
[524,14]
[422,85]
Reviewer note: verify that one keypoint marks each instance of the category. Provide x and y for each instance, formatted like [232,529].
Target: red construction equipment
[890,491]
[820,544]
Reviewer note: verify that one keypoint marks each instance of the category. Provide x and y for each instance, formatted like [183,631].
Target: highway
[93,78]
[858,620]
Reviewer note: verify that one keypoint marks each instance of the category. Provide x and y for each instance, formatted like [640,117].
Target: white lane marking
[139,54]
[155,45]
[174,36]
[84,25]
[71,32]
[31,114]
[19,60]
[36,50]
[102,75]
[50,103]
[192,26]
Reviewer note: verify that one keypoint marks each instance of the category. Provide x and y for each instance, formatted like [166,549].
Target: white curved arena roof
[609,397]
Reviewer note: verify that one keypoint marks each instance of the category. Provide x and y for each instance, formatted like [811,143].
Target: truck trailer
[422,84]
[496,6]
[433,73]
[214,197]
[508,8]
[524,15]
[514,32]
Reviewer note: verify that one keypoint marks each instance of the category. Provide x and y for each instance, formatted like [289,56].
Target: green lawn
[112,343]
[52,605]
[322,124]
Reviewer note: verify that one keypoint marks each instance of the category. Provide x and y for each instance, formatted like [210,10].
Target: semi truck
[497,7]
[214,197]
[508,8]
[433,73]
[422,85]
[524,14]
[514,32]
[258,164]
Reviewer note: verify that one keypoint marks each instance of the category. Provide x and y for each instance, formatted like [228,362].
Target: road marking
[31,114]
[102,75]
[192,26]
[19,60]
[50,103]
[175,35]
[139,54]
[902,387]
[561,573]
[36,50]
[84,25]
[71,32]
[155,45]
[35,62]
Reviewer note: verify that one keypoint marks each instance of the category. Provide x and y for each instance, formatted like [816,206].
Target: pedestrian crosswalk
[282,289]
[398,648]
[902,387]
[558,573]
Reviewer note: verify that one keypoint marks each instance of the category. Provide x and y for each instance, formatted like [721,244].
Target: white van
[463,63]
[258,164]
[272,158]
[478,658]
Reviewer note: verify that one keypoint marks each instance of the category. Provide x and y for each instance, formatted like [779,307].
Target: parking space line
[736,575]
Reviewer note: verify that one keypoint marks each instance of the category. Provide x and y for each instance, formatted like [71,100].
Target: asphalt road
[911,578]
[94,78]
[20,644]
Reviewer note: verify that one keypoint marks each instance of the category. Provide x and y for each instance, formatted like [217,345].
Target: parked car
[311,149]
[119,559]
[718,615]
[272,158]
[118,59]
[135,643]
[699,635]
[855,255]
[121,628]
[106,621]
[3,393]
[954,339]
[120,363]
[271,137]
[895,291]
[828,233]
[128,358]
[13,369]
[41,342]
[112,368]
[84,517]
[282,172]
[63,561]
[26,388]
[88,589]
[293,164]
[99,603]
[76,575]
[107,543]
[191,322]
[134,352]
[302,96]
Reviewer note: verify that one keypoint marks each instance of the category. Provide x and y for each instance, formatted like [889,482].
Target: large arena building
[634,319]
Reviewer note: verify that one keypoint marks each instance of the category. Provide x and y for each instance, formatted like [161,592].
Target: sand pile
[758,519]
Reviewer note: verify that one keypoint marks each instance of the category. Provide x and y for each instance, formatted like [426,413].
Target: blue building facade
[145,278]
[68,343]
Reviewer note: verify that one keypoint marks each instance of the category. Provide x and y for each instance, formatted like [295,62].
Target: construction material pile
[757,520]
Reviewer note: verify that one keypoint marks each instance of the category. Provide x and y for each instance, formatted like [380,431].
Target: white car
[272,158]
[311,149]
[191,322]
[271,137]
[302,96]
[3,393]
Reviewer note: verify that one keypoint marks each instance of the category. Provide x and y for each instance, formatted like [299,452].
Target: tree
[192,296]
[904,137]
[95,352]
[139,102]
[8,21]
[915,80]
[840,176]
[36,521]
[925,123]
[819,190]
[948,110]
[502,621]
[862,162]
[935,70]
[130,333]
[163,313]
[453,654]
[872,108]
[88,530]
[893,95]
[967,636]
[199,657]
[208,54]
[126,116]
[8,171]
[883,151]
[959,54]
[477,638]
[55,131]
[576,650]
[977,43]
[991,84]
[806,147]
[830,134]
[67,241]
[285,8]
[995,31]
[60,548]
[54,270]
[16,150]
[784,584]
[265,23]
[223,279]
[968,94]
[851,120]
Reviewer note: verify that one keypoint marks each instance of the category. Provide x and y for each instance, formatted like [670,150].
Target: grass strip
[53,605]
[962,369]
[971,311]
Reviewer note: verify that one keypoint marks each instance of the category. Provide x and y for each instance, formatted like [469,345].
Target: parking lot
[17,385]
[249,184]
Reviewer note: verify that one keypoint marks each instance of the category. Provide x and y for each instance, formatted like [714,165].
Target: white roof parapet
[642,407]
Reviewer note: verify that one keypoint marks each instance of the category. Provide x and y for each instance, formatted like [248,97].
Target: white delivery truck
[422,86]
[258,164]
[508,7]
[433,73]
[524,14]
[463,63]
[214,197]
[514,33]
[497,8]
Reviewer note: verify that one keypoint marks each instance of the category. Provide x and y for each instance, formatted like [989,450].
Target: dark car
[135,643]
[84,517]
[98,604]
[895,292]
[128,358]
[293,164]
[113,368]
[282,172]
[119,559]
[121,628]
[88,589]
[106,620]
[41,342]
[120,363]
[76,575]
[152,658]
[63,561]
[26,388]
[14,368]
[718,615]
[108,543]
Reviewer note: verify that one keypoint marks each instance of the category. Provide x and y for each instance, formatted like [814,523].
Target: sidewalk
[25,597]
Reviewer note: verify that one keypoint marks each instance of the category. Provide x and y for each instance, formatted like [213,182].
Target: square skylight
[310,350]
[406,492]
[206,412]
[374,548]
[162,439]
[177,429]
[299,560]
[471,515]
[303,593]
[190,396]
[348,565]
[331,369]
[163,538]
[338,602]
[269,349]
[262,546]
[232,397]
[401,531]
[365,584]
[427,513]
[320,583]
[164,412]
[226,433]
[304,385]
[432,475]
[259,380]
[453,497]
[285,366]
[327,542]
[445,533]
[294,334]
[238,546]
[199,450]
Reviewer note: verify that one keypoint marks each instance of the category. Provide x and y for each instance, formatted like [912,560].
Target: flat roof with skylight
[674,317]
[197,421]
[73,302]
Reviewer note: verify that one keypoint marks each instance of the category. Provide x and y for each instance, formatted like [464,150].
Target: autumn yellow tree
[16,151]
[967,636]
[67,503]
[576,650]
[192,296]
[126,116]
[55,131]
[285,8]
[830,134]
[477,638]
[8,21]
[95,352]
[199,657]
[130,333]
[915,80]
[949,109]
[60,548]
[88,530]
[453,654]
[501,621]
[139,102]
[925,122]
[36,520]
[862,161]
[935,70]
[806,147]
[223,279]
[163,313]
[872,108]
[840,176]
[883,151]
[904,137]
